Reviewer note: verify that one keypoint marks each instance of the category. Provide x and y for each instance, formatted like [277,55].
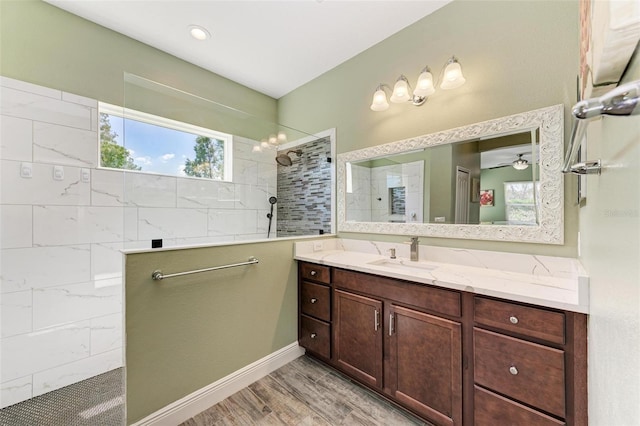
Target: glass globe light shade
[379,102]
[453,77]
[400,91]
[520,163]
[424,87]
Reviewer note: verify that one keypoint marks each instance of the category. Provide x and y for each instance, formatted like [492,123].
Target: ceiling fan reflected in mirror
[519,156]
[520,163]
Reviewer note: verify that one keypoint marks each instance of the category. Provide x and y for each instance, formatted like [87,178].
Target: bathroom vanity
[455,343]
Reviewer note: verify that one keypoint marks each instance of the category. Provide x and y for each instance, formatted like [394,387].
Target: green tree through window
[111,154]
[159,145]
[209,159]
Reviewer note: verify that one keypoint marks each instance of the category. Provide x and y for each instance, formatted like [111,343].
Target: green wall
[44,45]
[516,56]
[495,179]
[185,333]
[441,197]
[610,250]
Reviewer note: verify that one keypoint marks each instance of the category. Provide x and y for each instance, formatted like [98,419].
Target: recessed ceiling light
[198,32]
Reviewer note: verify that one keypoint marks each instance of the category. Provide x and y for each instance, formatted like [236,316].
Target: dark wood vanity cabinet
[529,361]
[400,339]
[358,337]
[314,308]
[425,364]
[452,358]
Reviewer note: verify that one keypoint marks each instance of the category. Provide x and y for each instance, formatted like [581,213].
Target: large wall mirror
[496,180]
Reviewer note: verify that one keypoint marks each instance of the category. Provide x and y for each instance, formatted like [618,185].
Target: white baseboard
[198,401]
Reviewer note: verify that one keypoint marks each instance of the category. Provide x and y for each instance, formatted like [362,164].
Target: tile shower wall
[61,266]
[304,191]
[358,194]
[368,196]
[409,176]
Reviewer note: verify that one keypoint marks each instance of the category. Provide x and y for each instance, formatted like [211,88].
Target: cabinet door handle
[513,370]
[314,300]
[313,335]
[513,319]
[376,319]
[313,273]
[391,330]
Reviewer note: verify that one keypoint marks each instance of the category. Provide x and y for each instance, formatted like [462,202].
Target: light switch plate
[26,170]
[58,173]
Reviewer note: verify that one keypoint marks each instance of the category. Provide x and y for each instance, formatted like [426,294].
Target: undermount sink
[403,264]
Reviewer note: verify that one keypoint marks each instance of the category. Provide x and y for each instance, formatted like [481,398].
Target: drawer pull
[513,370]
[314,300]
[313,336]
[513,319]
[313,273]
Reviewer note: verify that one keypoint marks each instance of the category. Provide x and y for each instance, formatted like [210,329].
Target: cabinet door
[426,364]
[358,336]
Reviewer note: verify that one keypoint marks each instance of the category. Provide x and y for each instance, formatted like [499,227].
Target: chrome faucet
[414,249]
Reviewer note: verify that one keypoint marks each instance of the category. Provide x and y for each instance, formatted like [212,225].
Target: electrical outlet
[58,173]
[439,219]
[317,246]
[26,170]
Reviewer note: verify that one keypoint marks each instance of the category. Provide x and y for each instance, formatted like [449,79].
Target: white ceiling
[506,156]
[270,46]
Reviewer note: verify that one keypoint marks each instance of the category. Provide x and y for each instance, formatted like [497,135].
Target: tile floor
[304,392]
[98,401]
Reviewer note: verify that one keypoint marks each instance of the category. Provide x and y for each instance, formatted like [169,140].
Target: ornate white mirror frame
[550,227]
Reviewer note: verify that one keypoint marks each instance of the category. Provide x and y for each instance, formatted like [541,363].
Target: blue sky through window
[154,148]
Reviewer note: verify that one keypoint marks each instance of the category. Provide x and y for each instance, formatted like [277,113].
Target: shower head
[285,160]
[273,200]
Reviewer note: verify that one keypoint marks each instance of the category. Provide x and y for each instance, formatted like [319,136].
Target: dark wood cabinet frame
[439,337]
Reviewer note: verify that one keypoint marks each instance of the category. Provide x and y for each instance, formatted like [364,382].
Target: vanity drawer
[315,336]
[528,372]
[315,300]
[424,297]
[525,320]
[313,272]
[490,409]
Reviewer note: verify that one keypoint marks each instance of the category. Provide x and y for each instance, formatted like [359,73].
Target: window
[520,202]
[134,140]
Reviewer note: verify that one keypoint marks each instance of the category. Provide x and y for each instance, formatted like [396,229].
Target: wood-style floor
[304,392]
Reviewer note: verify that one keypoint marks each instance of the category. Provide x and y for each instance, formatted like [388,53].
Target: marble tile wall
[369,196]
[359,194]
[60,240]
[409,176]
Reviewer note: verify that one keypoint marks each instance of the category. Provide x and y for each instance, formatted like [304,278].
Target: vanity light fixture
[520,163]
[198,32]
[451,77]
[272,140]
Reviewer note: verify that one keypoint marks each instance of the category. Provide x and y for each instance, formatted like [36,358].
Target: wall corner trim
[198,401]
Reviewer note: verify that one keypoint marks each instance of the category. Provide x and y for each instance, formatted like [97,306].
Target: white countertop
[552,282]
